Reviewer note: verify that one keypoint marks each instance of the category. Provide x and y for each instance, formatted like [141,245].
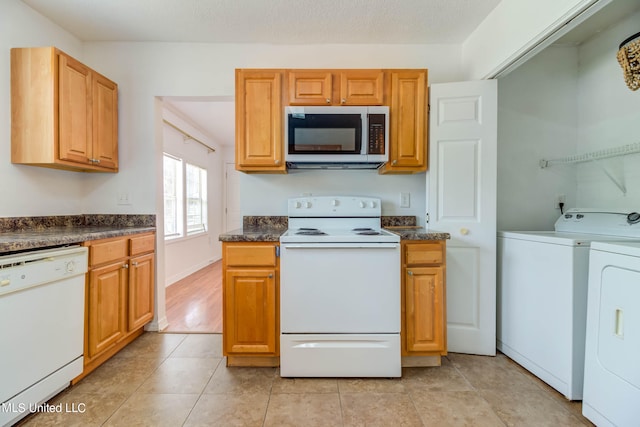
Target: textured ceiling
[262,21]
[268,21]
[282,22]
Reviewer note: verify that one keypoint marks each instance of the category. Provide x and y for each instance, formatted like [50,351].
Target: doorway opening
[192,284]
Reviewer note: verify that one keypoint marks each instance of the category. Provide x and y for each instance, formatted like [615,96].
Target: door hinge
[277,251]
[426,218]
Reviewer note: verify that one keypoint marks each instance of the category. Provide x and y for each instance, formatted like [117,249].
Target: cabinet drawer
[112,250]
[250,255]
[142,244]
[424,253]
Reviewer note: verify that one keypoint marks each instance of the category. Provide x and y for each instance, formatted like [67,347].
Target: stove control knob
[307,205]
[362,204]
[334,202]
[372,204]
[297,205]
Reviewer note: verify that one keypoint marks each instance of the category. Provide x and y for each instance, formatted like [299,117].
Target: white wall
[537,118]
[28,190]
[146,70]
[270,192]
[511,29]
[186,255]
[609,116]
[563,102]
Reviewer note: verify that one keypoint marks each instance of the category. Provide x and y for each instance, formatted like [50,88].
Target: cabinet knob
[328,100]
[270,276]
[134,263]
[394,162]
[410,273]
[125,265]
[343,101]
[277,162]
[464,231]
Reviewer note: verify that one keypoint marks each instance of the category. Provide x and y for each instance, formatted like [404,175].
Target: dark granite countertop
[269,229]
[418,233]
[19,234]
[253,234]
[257,229]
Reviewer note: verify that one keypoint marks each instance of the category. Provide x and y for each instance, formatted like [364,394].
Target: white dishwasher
[41,325]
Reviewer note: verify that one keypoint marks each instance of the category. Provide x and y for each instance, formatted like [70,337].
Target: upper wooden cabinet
[335,87]
[259,121]
[261,98]
[63,114]
[407,122]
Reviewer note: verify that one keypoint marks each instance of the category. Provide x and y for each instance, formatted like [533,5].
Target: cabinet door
[74,110]
[141,283]
[106,301]
[105,123]
[407,122]
[250,311]
[259,121]
[310,87]
[361,87]
[424,309]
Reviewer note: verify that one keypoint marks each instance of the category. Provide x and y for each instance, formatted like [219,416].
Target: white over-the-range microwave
[340,137]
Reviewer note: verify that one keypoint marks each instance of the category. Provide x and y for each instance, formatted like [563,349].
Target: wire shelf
[594,155]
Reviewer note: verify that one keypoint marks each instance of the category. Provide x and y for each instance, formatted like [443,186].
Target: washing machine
[612,352]
[542,293]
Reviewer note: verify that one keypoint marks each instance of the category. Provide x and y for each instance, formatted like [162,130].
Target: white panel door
[461,200]
[233,218]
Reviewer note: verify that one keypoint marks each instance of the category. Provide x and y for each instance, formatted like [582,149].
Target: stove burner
[363,229]
[369,233]
[307,229]
[312,232]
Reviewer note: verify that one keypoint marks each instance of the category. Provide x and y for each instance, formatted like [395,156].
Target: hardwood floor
[194,304]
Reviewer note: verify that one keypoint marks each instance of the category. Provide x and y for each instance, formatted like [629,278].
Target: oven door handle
[340,245]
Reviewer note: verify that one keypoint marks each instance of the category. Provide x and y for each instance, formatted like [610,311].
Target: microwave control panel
[376,133]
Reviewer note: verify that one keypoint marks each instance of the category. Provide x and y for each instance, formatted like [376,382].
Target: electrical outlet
[124,199]
[405,200]
[560,198]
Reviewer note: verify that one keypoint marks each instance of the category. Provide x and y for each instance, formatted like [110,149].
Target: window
[172,196]
[185,198]
[196,199]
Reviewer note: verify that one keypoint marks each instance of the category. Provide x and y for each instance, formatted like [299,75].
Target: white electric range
[339,290]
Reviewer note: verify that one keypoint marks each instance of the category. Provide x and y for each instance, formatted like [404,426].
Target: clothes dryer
[612,369]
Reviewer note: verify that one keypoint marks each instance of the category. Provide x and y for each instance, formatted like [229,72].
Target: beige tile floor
[182,380]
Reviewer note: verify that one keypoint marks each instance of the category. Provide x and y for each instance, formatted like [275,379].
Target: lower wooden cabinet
[251,306]
[250,295]
[423,326]
[105,308]
[119,295]
[140,295]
